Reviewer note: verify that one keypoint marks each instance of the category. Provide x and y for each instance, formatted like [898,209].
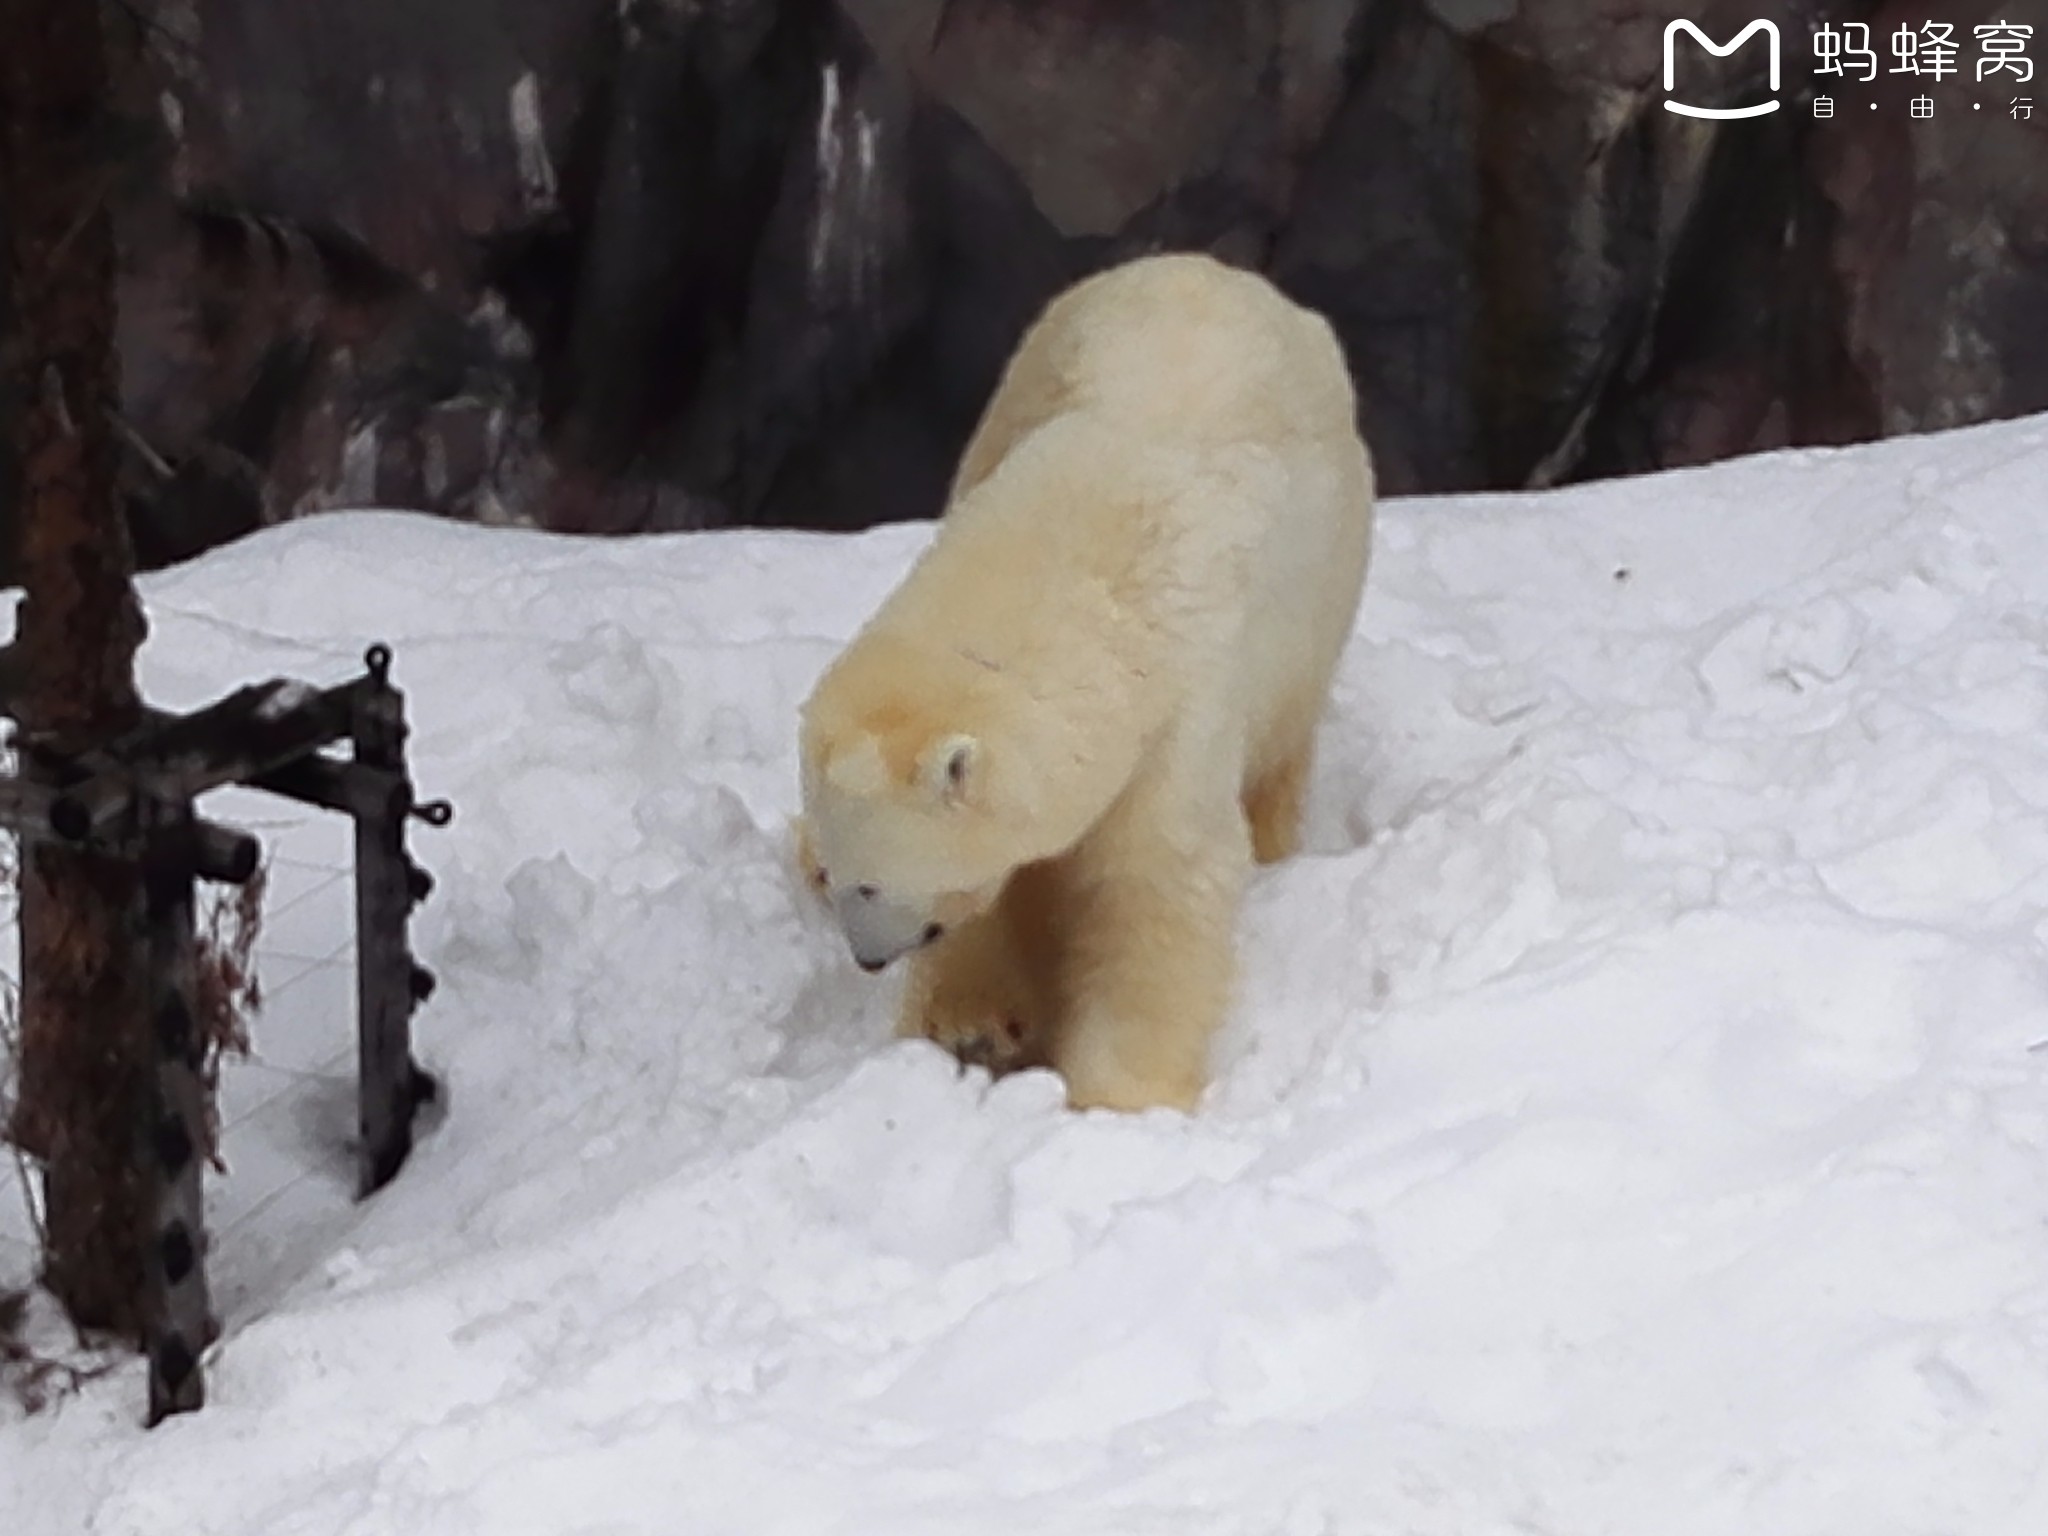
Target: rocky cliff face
[608,266]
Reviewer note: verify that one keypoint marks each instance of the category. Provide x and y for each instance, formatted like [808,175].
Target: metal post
[178,1314]
[389,1086]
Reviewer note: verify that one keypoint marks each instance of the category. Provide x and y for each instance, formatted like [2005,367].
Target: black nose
[871,966]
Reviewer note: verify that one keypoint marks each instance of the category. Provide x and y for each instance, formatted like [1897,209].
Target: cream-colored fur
[1044,768]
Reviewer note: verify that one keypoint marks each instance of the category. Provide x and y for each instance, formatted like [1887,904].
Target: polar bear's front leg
[967,994]
[986,990]
[1152,962]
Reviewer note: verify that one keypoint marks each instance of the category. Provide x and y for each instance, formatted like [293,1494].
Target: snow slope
[1633,1122]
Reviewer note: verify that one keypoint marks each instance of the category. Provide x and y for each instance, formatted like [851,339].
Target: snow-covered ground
[1634,1121]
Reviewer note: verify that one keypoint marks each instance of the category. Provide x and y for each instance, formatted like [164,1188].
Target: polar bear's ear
[949,767]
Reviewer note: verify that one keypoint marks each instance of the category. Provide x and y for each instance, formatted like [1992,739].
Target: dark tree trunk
[84,1052]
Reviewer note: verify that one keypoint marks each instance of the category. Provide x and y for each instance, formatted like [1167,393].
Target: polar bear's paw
[1001,1041]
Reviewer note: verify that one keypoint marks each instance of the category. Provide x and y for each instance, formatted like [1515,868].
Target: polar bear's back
[1188,345]
[1175,430]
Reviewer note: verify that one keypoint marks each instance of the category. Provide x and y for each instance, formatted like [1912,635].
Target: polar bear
[1045,767]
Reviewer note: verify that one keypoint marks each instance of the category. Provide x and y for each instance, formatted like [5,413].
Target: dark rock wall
[675,263]
[1942,242]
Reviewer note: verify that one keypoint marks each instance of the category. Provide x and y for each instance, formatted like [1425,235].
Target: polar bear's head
[912,788]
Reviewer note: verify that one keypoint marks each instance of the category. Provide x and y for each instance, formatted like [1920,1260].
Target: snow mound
[1632,1120]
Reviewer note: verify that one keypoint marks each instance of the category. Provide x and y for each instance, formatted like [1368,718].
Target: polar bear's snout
[879,930]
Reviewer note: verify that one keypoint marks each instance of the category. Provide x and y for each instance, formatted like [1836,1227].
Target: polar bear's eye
[866,892]
[933,932]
